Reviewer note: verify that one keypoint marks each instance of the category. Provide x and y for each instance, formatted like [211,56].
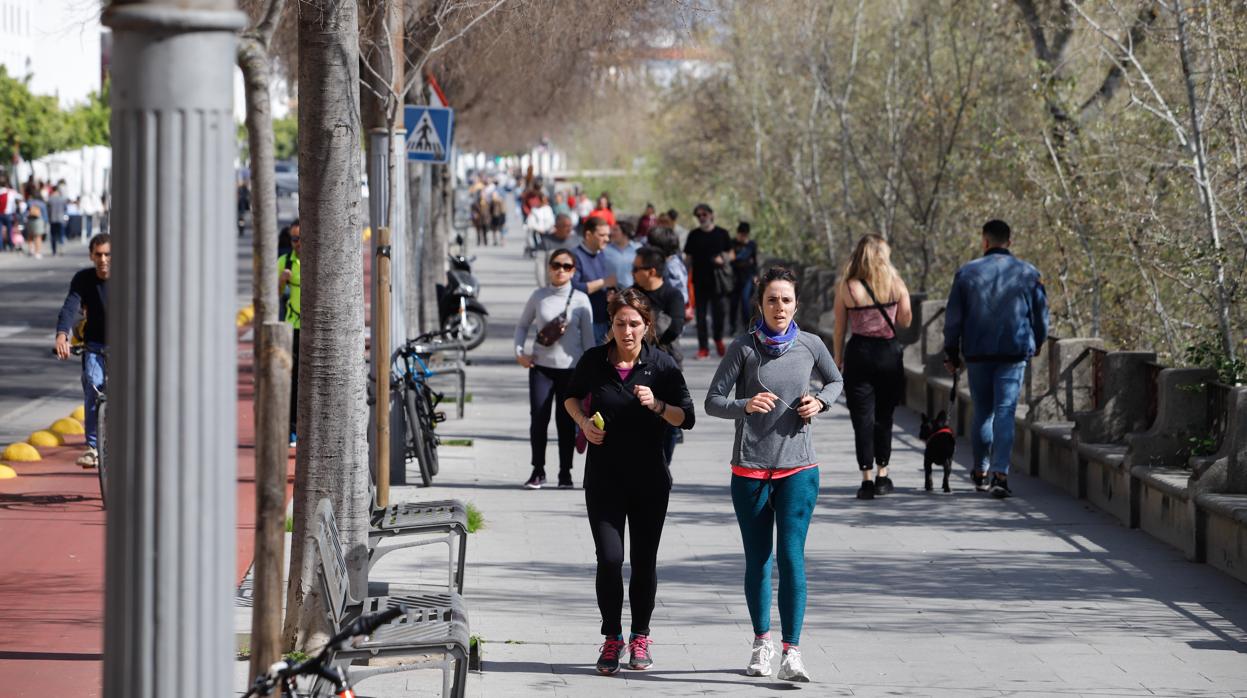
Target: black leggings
[714,305]
[545,387]
[873,379]
[645,509]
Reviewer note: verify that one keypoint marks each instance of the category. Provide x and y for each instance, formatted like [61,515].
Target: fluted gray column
[172,368]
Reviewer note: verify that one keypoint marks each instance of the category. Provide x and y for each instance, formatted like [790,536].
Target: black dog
[940,446]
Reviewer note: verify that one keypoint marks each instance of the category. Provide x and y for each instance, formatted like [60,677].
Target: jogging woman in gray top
[550,367]
[764,383]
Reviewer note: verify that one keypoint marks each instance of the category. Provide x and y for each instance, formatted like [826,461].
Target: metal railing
[1153,391]
[1218,412]
[1097,377]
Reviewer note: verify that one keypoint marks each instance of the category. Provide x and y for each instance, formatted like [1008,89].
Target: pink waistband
[764,473]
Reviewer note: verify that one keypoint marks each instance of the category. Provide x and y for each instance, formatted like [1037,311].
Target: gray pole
[381,191]
[172,392]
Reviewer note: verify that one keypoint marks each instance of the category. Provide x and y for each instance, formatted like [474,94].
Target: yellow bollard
[20,453]
[7,473]
[79,413]
[46,439]
[65,425]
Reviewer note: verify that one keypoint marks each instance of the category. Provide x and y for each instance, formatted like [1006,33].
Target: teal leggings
[764,506]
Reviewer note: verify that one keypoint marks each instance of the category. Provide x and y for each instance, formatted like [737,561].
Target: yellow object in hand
[598,421]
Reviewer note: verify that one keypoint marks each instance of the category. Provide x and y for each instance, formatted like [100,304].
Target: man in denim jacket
[995,320]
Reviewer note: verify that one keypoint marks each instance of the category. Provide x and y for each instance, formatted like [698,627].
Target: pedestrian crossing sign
[429,133]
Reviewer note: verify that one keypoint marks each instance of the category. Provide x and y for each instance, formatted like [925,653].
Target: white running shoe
[760,658]
[792,668]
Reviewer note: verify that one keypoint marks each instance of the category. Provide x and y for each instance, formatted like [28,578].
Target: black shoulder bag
[554,330]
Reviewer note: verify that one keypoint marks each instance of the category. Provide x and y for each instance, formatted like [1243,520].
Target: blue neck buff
[775,344]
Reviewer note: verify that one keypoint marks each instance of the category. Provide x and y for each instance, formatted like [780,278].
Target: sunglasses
[565,267]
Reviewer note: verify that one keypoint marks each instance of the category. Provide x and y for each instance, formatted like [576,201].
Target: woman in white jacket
[539,222]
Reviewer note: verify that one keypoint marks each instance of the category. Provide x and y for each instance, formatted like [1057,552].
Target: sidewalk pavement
[912,594]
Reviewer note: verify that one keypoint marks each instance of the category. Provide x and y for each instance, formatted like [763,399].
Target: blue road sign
[429,133]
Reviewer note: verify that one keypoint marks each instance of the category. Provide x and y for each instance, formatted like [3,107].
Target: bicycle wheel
[412,398]
[425,407]
[101,449]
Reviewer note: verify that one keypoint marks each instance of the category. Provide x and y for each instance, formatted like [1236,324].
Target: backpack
[4,200]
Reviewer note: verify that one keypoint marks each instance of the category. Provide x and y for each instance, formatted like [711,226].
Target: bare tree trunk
[333,452]
[1206,194]
[270,349]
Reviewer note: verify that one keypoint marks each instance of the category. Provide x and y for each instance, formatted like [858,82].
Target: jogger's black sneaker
[608,660]
[883,485]
[536,480]
[867,490]
[565,481]
[1000,487]
[979,478]
[638,650]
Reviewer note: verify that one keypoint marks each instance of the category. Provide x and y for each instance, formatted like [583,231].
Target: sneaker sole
[794,679]
[636,667]
[608,672]
[755,672]
[531,487]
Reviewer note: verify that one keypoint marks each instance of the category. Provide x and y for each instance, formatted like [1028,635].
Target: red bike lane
[52,548]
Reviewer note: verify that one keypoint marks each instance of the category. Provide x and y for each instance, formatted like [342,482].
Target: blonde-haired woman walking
[871,303]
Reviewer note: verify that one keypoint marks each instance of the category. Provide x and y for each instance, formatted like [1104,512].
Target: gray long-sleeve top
[544,305]
[778,439]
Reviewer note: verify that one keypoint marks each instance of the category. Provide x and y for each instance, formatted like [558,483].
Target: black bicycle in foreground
[283,676]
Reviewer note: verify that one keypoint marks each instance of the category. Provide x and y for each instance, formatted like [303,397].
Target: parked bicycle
[283,676]
[409,377]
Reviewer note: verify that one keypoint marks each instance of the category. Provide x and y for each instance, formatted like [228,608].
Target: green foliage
[296,656]
[286,137]
[1201,445]
[38,126]
[1207,353]
[476,520]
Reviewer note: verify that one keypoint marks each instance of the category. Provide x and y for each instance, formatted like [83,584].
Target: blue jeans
[994,389]
[92,379]
[600,330]
[781,508]
[6,231]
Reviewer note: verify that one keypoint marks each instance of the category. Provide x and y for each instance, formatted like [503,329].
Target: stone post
[168,619]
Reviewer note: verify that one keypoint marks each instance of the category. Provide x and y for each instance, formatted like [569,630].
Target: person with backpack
[564,320]
[871,302]
[289,285]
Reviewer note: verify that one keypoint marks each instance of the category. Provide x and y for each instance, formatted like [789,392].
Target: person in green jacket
[289,283]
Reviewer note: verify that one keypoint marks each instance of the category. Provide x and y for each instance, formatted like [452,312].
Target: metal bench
[412,524]
[434,630]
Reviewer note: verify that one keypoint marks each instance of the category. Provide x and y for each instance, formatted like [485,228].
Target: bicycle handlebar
[363,626]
